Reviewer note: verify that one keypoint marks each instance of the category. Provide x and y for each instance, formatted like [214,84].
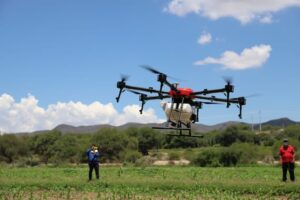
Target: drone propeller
[248,96]
[151,69]
[154,71]
[162,78]
[124,77]
[228,80]
[253,95]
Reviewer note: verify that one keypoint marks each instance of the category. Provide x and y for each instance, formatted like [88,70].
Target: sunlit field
[172,182]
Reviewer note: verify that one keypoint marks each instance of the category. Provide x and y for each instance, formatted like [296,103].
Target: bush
[245,153]
[207,158]
[189,154]
[144,161]
[174,155]
[157,154]
[230,157]
[112,143]
[236,154]
[131,156]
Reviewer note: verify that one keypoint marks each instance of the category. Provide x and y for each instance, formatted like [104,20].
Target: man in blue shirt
[93,155]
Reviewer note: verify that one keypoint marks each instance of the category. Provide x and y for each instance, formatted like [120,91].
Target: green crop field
[172,182]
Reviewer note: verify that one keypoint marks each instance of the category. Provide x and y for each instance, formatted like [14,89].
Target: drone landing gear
[180,131]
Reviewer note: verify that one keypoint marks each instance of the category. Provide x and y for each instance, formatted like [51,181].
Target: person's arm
[280,154]
[88,151]
[294,155]
[97,154]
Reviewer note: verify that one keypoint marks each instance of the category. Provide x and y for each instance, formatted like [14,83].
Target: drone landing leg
[179,116]
[172,105]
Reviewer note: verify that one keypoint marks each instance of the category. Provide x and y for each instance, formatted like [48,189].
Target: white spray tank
[173,114]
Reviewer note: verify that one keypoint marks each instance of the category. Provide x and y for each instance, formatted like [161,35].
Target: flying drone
[184,105]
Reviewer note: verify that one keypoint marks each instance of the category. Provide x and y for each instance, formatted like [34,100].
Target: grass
[147,183]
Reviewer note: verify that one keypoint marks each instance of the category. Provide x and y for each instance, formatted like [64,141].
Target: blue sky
[73,52]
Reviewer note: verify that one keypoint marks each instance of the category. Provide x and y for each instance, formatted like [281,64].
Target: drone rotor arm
[211,98]
[157,97]
[150,89]
[206,91]
[240,101]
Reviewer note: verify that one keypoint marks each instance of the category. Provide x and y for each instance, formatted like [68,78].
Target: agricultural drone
[184,105]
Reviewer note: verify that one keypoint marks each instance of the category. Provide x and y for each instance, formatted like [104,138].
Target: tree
[113,142]
[11,147]
[43,144]
[293,131]
[66,149]
[147,139]
[228,137]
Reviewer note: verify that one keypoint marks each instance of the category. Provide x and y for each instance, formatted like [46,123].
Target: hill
[280,122]
[201,128]
[64,128]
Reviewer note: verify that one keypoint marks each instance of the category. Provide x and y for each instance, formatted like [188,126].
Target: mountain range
[65,128]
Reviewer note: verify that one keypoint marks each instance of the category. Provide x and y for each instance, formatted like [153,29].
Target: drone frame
[179,100]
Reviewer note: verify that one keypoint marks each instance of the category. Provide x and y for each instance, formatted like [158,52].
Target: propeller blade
[124,78]
[248,96]
[228,79]
[151,69]
[253,95]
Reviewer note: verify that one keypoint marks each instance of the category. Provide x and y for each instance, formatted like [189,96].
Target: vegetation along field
[171,182]
[235,163]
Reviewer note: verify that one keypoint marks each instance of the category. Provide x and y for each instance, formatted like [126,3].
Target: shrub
[131,156]
[245,153]
[209,157]
[144,161]
[189,154]
[174,155]
[230,157]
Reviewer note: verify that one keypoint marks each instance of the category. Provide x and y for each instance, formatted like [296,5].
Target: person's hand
[96,150]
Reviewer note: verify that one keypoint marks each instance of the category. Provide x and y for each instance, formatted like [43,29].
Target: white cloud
[266,19]
[27,115]
[242,10]
[205,38]
[252,57]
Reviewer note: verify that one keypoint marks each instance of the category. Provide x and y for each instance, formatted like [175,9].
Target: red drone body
[182,92]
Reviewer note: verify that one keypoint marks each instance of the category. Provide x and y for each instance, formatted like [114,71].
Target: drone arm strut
[150,90]
[157,97]
[206,91]
[241,101]
[212,98]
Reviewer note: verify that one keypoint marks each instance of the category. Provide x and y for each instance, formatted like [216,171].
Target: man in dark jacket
[287,157]
[93,155]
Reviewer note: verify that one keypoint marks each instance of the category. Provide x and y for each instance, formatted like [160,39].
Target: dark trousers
[93,165]
[288,166]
